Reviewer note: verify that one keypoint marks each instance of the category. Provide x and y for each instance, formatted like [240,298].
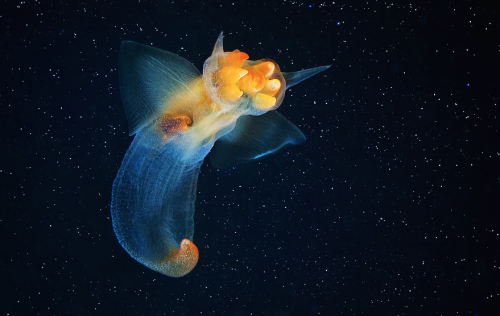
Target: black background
[391,207]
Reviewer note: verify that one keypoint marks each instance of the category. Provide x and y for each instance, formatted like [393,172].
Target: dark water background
[391,207]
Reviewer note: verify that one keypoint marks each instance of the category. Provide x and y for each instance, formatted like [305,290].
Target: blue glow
[338,23]
[468,84]
[263,154]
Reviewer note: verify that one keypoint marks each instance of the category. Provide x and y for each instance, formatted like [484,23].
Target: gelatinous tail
[292,78]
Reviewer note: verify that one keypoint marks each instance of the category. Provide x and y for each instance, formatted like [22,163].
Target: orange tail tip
[170,125]
[181,261]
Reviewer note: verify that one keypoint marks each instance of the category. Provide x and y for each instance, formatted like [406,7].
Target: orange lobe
[233,59]
[226,79]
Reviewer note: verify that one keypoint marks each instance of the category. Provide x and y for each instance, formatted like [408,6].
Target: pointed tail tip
[322,68]
[292,78]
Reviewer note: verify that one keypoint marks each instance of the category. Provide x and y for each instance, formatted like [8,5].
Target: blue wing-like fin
[254,137]
[149,77]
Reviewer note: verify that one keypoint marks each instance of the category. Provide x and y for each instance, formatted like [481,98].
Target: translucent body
[178,116]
